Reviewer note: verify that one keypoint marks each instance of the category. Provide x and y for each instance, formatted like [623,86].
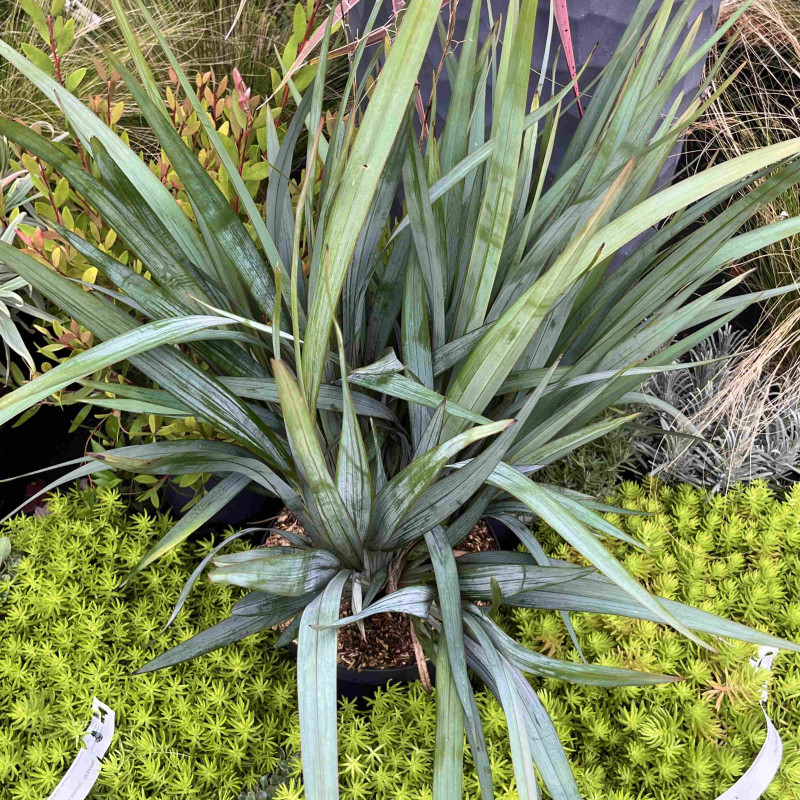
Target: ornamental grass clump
[68,634]
[392,383]
[254,36]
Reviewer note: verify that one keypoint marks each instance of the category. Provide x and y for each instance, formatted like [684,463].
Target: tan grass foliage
[195,29]
[762,386]
[767,23]
[761,107]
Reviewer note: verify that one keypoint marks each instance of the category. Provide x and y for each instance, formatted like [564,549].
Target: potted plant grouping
[394,382]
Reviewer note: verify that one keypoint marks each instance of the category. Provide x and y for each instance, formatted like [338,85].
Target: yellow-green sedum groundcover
[210,728]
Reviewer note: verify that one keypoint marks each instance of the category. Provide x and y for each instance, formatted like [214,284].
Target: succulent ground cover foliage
[597,467]
[268,786]
[207,730]
[345,362]
[735,555]
[747,545]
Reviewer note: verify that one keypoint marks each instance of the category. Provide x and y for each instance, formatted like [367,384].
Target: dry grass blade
[767,23]
[762,386]
[759,108]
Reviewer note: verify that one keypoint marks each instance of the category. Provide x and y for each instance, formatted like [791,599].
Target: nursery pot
[247,505]
[42,441]
[503,535]
[354,684]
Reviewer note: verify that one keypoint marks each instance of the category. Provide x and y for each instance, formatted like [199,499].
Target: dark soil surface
[387,643]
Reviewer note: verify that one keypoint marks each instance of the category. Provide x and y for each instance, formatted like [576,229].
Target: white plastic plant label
[761,772]
[83,772]
[759,775]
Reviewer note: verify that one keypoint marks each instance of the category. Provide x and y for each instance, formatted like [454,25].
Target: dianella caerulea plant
[393,381]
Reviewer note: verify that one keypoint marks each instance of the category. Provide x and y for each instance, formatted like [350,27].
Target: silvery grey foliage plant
[757,440]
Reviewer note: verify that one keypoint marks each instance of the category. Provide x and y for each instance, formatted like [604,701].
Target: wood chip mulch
[285,521]
[387,645]
[480,538]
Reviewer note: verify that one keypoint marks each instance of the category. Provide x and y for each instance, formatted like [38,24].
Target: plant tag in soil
[760,773]
[83,772]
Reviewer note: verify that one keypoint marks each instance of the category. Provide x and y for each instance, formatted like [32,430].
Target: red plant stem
[90,436]
[57,64]
[175,110]
[309,27]
[81,153]
[200,96]
[214,100]
[162,174]
[49,193]
[56,60]
[242,146]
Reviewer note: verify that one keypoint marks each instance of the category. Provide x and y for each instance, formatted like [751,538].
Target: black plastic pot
[247,505]
[42,441]
[356,684]
[503,535]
